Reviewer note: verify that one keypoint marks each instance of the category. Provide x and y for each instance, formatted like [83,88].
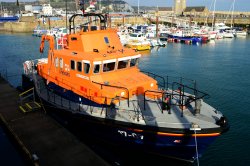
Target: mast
[1,8]
[138,7]
[213,16]
[66,6]
[232,15]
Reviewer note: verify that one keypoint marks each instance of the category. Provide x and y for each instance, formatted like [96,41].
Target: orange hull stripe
[197,135]
[180,135]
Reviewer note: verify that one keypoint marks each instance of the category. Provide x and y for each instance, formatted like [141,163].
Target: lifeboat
[97,82]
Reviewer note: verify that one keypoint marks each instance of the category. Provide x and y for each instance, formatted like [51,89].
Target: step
[29,106]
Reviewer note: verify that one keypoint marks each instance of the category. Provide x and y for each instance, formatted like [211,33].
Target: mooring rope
[196,148]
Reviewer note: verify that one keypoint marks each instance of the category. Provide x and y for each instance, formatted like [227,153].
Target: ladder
[27,101]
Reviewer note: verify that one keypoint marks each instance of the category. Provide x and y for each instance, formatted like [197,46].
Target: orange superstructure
[95,65]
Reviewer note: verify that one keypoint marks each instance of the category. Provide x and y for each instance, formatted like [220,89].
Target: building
[179,6]
[196,11]
[47,10]
[165,11]
[37,9]
[28,8]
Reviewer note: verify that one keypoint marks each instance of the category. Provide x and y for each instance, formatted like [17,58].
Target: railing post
[195,95]
[167,82]
[144,101]
[34,98]
[162,98]
[69,104]
[128,97]
[105,102]
[48,95]
[61,101]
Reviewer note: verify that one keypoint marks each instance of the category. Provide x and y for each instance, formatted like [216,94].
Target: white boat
[57,32]
[138,41]
[241,34]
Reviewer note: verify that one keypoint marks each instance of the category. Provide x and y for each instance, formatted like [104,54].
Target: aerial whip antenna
[81,4]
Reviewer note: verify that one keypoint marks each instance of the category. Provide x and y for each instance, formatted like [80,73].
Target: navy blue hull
[9,19]
[193,39]
[144,138]
[169,142]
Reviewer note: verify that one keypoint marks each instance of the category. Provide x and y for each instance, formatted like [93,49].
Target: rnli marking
[130,134]
[65,73]
[83,77]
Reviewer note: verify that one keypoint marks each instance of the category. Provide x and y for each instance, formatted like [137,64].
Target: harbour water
[220,67]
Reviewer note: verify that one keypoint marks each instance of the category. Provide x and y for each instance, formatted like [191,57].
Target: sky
[240,5]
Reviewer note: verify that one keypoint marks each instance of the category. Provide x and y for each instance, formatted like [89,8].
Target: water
[221,68]
[9,155]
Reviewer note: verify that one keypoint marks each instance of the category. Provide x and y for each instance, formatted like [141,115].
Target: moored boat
[97,82]
[138,41]
[8,18]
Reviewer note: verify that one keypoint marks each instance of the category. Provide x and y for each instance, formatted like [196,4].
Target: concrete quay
[41,139]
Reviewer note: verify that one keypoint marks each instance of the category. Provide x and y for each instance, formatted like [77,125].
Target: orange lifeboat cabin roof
[95,65]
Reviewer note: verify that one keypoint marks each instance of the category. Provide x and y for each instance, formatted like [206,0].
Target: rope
[196,148]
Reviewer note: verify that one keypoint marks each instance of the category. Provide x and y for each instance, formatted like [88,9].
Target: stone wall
[23,27]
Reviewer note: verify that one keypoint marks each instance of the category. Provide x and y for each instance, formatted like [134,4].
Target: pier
[40,138]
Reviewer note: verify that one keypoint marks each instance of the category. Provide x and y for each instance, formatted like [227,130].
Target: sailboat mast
[213,15]
[232,15]
[138,7]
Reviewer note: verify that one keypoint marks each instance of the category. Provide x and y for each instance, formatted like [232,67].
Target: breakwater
[28,24]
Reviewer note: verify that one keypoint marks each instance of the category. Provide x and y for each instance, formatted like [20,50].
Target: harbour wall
[28,24]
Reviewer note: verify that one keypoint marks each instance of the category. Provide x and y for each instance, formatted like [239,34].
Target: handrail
[181,94]
[155,75]
[103,19]
[144,100]
[21,94]
[194,89]
[113,86]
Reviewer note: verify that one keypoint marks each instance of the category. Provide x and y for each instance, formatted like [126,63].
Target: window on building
[79,66]
[72,65]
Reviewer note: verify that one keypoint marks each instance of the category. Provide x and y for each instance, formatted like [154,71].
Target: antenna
[66,5]
[81,4]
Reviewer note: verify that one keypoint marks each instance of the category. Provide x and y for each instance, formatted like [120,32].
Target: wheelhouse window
[108,66]
[106,39]
[122,64]
[61,63]
[79,66]
[134,62]
[72,65]
[86,67]
[96,68]
[56,62]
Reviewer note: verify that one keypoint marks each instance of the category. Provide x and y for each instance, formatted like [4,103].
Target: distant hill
[117,5]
